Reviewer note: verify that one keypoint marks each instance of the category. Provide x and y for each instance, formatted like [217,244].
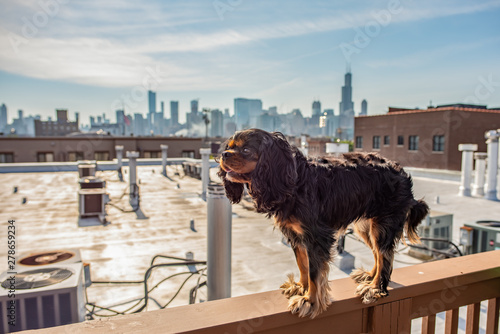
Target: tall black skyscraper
[346,109]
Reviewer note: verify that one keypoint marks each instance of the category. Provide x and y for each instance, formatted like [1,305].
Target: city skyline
[88,57]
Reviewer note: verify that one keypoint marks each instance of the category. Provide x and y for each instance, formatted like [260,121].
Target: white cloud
[119,57]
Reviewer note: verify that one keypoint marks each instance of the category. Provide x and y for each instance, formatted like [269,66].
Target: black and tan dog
[314,201]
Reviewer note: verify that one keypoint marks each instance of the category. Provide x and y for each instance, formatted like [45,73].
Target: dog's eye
[246,150]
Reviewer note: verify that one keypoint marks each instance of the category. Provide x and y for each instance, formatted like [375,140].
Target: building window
[188,154]
[75,156]
[45,157]
[413,143]
[6,157]
[401,140]
[387,140]
[152,154]
[376,142]
[359,142]
[101,156]
[438,143]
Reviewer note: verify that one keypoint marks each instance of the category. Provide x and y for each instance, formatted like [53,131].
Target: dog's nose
[226,154]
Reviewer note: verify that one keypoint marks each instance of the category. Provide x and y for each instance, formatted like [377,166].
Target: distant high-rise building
[151,109]
[216,123]
[314,126]
[20,115]
[139,125]
[246,112]
[194,106]
[329,123]
[174,113]
[346,109]
[316,108]
[296,123]
[273,111]
[162,107]
[364,108]
[268,122]
[151,102]
[3,117]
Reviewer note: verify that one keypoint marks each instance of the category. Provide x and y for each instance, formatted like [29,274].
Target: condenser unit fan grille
[38,278]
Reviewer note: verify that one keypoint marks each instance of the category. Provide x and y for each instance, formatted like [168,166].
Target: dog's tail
[417,212]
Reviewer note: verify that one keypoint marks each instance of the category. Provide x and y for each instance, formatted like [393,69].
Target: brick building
[102,148]
[61,127]
[426,138]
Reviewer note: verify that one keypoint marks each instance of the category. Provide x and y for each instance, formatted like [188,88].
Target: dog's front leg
[317,298]
[291,288]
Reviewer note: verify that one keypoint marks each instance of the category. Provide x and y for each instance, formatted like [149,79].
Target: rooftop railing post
[480,174]
[134,189]
[164,154]
[467,163]
[219,243]
[205,170]
[119,157]
[492,167]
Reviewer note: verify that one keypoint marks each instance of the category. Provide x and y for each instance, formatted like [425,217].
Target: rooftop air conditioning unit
[438,225]
[44,297]
[48,257]
[86,168]
[485,236]
[91,182]
[92,202]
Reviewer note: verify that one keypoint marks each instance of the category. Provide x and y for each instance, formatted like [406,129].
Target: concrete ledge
[44,167]
[438,174]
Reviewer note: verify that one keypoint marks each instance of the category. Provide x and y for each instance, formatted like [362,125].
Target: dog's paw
[360,275]
[291,288]
[303,306]
[369,293]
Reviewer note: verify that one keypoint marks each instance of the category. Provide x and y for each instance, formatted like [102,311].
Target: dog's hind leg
[291,288]
[384,237]
[362,229]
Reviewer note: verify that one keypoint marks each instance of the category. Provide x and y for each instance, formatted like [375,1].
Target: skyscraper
[174,113]
[346,109]
[194,106]
[151,109]
[151,102]
[364,108]
[3,117]
[314,126]
[246,112]
[216,123]
[316,108]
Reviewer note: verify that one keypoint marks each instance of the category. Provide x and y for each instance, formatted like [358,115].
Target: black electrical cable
[443,240]
[146,289]
[138,300]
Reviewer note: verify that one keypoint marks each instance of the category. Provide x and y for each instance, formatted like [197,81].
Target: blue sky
[93,56]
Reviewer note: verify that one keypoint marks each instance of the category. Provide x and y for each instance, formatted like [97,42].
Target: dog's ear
[275,175]
[234,191]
